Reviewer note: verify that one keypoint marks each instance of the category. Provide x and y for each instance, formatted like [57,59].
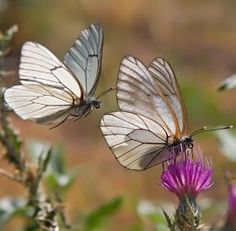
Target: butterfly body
[52,91]
[83,108]
[93,102]
[181,145]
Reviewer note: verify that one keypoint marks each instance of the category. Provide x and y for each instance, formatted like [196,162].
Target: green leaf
[227,141]
[58,163]
[32,226]
[39,149]
[60,182]
[56,176]
[95,220]
[12,137]
[17,207]
[154,214]
[228,83]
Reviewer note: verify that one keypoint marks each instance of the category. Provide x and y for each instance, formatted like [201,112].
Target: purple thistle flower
[187,177]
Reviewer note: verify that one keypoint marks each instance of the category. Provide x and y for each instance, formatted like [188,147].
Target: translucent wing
[40,103]
[38,65]
[85,57]
[166,79]
[139,91]
[137,142]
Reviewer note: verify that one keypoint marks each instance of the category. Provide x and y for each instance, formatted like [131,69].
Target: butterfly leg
[83,115]
[87,113]
[163,166]
[61,122]
[78,117]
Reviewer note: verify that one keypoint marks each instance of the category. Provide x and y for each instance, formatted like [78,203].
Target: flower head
[187,177]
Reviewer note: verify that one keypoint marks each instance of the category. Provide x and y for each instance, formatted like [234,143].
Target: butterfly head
[94,102]
[188,142]
[182,145]
[97,103]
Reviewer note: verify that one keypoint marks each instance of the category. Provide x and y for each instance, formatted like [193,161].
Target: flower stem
[187,216]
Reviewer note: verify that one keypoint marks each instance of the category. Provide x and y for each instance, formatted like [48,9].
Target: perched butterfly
[152,123]
[52,91]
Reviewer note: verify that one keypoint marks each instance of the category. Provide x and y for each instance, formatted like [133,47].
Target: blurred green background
[198,38]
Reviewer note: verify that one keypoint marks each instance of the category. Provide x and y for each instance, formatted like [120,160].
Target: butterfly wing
[40,103]
[48,89]
[38,65]
[152,114]
[165,77]
[85,57]
[137,142]
[139,91]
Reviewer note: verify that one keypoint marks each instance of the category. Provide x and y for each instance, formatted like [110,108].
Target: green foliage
[8,136]
[137,227]
[5,40]
[56,177]
[10,139]
[156,216]
[201,105]
[95,220]
[17,207]
[10,207]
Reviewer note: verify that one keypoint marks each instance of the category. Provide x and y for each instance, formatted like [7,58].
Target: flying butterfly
[152,123]
[52,91]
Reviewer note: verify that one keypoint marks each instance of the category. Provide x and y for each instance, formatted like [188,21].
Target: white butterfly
[52,91]
[152,123]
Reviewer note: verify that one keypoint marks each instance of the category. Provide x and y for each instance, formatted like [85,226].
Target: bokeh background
[198,38]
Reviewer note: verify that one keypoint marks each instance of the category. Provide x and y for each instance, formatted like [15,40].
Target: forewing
[166,80]
[85,57]
[38,65]
[137,142]
[39,103]
[139,92]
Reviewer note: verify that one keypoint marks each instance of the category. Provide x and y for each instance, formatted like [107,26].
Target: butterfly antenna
[205,129]
[106,91]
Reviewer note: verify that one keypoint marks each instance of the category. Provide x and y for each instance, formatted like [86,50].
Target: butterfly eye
[96,103]
[189,142]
